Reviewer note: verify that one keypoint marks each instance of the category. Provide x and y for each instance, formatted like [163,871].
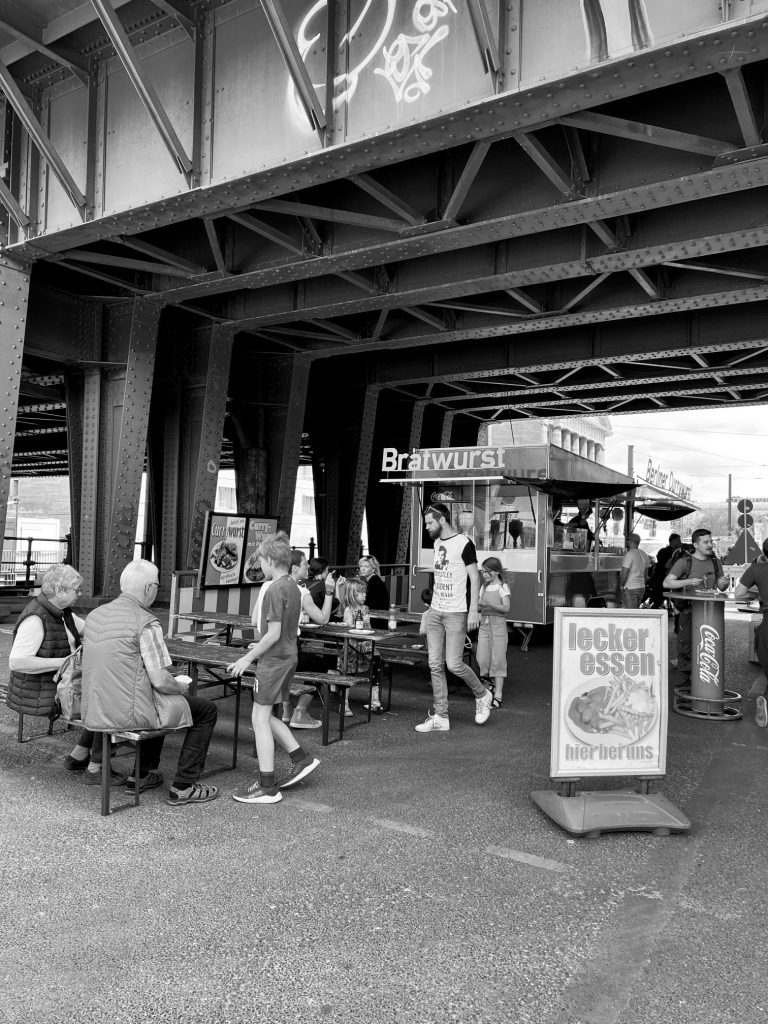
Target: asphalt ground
[411,878]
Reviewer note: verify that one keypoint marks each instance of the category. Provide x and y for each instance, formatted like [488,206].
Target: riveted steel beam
[492,118]
[324,213]
[291,452]
[604,124]
[140,322]
[167,489]
[162,255]
[297,69]
[389,199]
[212,430]
[142,84]
[88,478]
[734,79]
[653,196]
[14,293]
[9,201]
[404,529]
[40,137]
[181,11]
[466,180]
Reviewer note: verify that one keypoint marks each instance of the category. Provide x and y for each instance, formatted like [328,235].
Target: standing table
[706,697]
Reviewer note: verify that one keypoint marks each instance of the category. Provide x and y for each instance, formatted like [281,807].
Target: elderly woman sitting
[45,634]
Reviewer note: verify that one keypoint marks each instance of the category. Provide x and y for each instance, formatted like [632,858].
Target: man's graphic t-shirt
[452,556]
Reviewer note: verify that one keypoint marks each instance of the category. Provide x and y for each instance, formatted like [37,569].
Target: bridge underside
[215,257]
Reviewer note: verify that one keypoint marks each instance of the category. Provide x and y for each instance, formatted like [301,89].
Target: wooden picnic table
[228,620]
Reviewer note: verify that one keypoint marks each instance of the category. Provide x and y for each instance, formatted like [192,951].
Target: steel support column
[445,437]
[404,531]
[294,425]
[14,292]
[209,451]
[362,472]
[141,322]
[86,545]
[73,384]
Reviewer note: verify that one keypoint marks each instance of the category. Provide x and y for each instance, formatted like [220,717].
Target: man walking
[447,620]
[700,568]
[633,572]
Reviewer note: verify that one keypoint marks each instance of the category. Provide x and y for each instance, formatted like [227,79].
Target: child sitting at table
[493,605]
[360,652]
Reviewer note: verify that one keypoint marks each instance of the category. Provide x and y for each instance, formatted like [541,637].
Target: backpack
[69,685]
[688,559]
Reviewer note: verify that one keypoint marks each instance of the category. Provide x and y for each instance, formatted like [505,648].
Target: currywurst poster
[609,693]
[229,552]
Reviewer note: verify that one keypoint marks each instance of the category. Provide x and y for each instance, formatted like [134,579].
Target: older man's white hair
[59,578]
[138,573]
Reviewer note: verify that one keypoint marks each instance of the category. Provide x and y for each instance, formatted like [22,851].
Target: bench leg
[20,730]
[137,774]
[238,689]
[106,773]
[324,692]
[389,687]
[343,697]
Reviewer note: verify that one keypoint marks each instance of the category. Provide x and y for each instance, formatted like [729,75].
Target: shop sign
[437,462]
[609,693]
[667,481]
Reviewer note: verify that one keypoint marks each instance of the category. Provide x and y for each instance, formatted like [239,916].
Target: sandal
[375,709]
[496,703]
[195,794]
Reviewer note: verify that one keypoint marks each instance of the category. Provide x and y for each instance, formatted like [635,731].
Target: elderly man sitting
[127,685]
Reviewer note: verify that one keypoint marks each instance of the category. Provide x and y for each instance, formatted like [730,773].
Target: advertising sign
[229,550]
[609,693]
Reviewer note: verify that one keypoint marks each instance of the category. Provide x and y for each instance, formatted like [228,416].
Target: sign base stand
[590,814]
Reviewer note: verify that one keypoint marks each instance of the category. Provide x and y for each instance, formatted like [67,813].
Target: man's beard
[434,531]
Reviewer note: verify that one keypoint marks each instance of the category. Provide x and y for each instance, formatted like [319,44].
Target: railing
[20,565]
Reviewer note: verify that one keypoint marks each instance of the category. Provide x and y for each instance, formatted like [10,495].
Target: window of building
[308,504]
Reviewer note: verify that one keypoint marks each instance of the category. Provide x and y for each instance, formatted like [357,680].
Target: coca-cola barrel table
[706,697]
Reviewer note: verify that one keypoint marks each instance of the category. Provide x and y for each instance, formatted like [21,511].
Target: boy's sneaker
[254,794]
[483,708]
[300,770]
[434,723]
[149,781]
[303,720]
[761,715]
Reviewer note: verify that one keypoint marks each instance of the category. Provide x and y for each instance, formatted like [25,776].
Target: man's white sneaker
[483,708]
[434,723]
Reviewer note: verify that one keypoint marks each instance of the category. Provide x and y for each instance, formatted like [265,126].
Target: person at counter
[447,620]
[581,520]
[756,577]
[700,568]
[634,569]
[663,556]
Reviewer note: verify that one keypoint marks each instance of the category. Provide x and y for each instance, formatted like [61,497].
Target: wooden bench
[322,682]
[389,659]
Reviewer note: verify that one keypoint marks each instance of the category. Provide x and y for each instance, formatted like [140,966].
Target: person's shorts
[273,681]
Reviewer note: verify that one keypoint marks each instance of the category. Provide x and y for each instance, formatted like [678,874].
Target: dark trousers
[761,644]
[684,640]
[194,748]
[94,741]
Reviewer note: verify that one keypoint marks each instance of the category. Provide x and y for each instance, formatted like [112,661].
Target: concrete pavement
[411,877]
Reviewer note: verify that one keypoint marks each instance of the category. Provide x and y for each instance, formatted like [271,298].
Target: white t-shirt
[637,562]
[452,556]
[500,591]
[29,638]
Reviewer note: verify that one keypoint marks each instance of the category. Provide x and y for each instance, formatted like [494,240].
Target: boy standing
[277,655]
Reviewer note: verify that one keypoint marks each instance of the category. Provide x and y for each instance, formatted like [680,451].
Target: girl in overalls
[493,605]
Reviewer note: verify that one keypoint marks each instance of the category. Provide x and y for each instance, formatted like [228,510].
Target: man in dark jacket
[663,557]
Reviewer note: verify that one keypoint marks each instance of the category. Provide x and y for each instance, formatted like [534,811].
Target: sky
[700,447]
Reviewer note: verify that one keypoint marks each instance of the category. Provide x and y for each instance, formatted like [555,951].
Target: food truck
[546,513]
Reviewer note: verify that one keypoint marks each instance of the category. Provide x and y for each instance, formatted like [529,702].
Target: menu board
[229,551]
[609,692]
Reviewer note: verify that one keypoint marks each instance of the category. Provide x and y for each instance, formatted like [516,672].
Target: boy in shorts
[277,655]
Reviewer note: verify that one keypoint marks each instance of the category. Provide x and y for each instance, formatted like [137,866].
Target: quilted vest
[117,693]
[34,694]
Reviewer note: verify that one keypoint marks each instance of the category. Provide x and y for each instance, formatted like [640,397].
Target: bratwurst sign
[609,693]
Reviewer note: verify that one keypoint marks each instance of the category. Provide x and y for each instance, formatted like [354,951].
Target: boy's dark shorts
[274,681]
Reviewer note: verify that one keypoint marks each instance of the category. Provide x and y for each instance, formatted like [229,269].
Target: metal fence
[24,557]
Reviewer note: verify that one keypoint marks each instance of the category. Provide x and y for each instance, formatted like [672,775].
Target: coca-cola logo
[709,664]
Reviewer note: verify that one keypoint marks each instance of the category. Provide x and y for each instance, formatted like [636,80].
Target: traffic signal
[745,521]
[744,505]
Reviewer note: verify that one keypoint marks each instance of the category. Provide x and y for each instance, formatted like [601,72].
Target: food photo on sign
[225,539]
[609,692]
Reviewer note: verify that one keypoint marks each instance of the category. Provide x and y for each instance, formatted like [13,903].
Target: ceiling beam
[213,242]
[19,24]
[143,86]
[138,245]
[544,161]
[603,124]
[181,11]
[125,263]
[325,213]
[466,180]
[267,231]
[388,199]
[9,201]
[742,105]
